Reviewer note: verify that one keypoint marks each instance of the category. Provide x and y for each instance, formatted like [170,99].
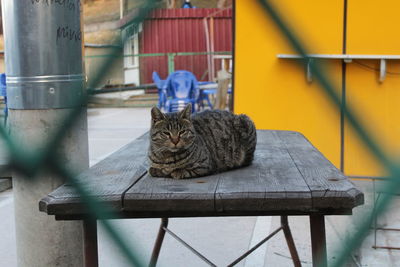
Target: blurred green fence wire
[31,162]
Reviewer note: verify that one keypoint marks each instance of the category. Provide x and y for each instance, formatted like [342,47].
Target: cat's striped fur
[184,145]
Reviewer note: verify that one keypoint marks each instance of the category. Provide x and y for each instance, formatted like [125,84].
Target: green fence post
[171,62]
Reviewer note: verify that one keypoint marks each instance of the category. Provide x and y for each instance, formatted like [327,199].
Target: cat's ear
[185,114]
[156,115]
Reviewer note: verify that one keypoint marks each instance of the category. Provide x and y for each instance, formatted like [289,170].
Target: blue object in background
[206,90]
[181,88]
[3,91]
[162,98]
[187,4]
[205,94]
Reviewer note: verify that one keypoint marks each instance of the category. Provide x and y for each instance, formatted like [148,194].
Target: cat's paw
[156,172]
[180,174]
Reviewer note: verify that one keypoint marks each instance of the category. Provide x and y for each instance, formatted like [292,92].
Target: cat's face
[172,131]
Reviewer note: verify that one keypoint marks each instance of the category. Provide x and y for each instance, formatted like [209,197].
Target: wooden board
[272,182]
[107,180]
[166,194]
[288,176]
[329,187]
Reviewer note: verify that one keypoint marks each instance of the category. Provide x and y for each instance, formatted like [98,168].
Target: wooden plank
[329,187]
[174,196]
[107,180]
[269,138]
[271,183]
[288,176]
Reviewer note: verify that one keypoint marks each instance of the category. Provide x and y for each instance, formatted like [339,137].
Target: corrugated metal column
[43,49]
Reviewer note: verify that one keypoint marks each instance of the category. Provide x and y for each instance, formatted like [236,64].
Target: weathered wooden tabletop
[288,177]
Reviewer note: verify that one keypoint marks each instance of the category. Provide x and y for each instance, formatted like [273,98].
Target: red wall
[182,30]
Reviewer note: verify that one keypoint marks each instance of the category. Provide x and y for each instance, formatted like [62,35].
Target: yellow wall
[373,29]
[275,93]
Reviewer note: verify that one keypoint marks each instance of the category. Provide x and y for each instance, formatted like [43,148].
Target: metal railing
[170,56]
[166,63]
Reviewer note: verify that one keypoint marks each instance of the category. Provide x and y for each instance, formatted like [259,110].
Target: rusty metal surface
[290,242]
[90,243]
[318,240]
[182,30]
[158,243]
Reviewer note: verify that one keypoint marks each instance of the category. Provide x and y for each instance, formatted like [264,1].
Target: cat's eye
[167,133]
[182,132]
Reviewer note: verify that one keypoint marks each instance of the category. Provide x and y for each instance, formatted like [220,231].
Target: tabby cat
[183,145]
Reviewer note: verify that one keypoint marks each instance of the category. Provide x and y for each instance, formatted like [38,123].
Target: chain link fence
[31,163]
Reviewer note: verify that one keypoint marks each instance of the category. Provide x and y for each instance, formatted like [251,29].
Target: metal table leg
[159,241]
[290,242]
[90,243]
[318,240]
[284,226]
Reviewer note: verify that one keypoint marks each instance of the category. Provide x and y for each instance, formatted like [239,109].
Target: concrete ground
[220,239]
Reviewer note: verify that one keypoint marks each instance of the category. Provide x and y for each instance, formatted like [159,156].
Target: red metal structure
[184,30]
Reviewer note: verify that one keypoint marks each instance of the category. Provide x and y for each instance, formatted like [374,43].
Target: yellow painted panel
[378,106]
[373,29]
[274,92]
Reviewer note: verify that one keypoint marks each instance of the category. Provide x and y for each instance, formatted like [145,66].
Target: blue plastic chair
[162,98]
[3,91]
[181,88]
[206,93]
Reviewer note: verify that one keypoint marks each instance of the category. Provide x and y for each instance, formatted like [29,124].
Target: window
[131,48]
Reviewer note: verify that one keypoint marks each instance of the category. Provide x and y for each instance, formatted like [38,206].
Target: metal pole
[209,55]
[121,9]
[43,54]
[90,243]
[212,48]
[318,241]
[171,62]
[289,241]
[158,243]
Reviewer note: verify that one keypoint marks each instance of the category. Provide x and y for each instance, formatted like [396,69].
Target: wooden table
[288,177]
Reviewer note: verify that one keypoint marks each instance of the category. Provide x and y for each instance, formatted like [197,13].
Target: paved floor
[220,239]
